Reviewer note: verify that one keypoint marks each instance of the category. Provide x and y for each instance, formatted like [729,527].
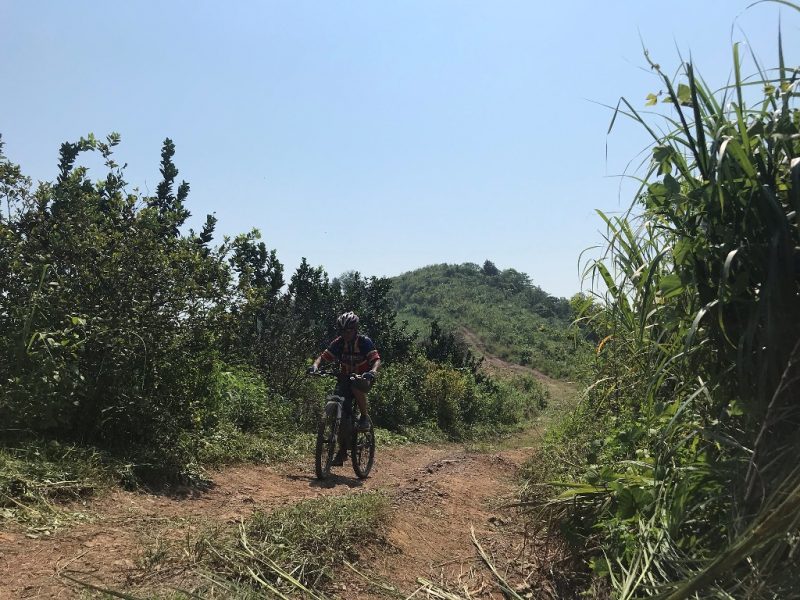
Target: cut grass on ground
[296,547]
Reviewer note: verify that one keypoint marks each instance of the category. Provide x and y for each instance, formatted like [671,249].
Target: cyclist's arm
[326,356]
[372,356]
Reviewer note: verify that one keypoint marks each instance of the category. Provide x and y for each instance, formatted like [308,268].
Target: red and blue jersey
[357,356]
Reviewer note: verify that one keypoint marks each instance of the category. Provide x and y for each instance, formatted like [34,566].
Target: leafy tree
[370,299]
[490,269]
[444,347]
[109,310]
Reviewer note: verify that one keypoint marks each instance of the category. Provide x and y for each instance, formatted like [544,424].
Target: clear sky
[377,136]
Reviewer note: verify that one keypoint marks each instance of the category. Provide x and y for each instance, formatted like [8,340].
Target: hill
[499,314]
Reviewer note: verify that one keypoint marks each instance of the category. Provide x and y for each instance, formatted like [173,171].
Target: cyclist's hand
[369,376]
[311,370]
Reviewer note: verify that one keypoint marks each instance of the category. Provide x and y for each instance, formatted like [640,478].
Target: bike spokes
[363,452]
[326,445]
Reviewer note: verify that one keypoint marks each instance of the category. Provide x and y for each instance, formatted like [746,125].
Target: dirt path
[437,494]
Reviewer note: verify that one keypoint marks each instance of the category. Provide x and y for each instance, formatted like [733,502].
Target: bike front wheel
[327,431]
[363,451]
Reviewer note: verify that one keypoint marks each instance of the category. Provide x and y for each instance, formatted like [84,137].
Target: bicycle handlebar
[322,373]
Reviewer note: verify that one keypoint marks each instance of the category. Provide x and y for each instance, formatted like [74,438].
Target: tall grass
[693,489]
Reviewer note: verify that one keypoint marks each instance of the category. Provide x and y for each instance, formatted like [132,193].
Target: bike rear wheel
[327,431]
[362,452]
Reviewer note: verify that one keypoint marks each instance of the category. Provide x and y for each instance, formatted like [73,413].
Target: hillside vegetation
[498,312]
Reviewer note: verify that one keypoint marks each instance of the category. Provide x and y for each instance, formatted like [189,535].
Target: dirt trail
[495,365]
[437,494]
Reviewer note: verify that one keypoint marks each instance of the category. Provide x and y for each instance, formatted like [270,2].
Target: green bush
[395,400]
[445,389]
[107,335]
[515,401]
[244,400]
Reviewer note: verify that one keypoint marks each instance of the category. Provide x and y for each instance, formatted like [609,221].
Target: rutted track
[437,494]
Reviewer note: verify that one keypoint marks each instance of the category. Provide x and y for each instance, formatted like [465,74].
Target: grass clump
[34,475]
[297,547]
[230,445]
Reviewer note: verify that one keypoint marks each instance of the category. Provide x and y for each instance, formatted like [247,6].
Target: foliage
[500,313]
[441,346]
[246,402]
[692,489]
[455,401]
[121,329]
[107,335]
[227,444]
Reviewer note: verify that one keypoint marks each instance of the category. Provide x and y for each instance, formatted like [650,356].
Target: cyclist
[357,355]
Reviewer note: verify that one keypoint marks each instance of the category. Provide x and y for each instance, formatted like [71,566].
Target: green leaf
[672,184]
[696,323]
[662,153]
[681,251]
[652,99]
[662,156]
[657,190]
[684,95]
[735,408]
[670,286]
[626,504]
[600,566]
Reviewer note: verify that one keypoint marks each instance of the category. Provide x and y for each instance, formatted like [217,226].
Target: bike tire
[362,452]
[327,431]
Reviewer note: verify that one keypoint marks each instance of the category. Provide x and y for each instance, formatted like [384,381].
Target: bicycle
[338,424]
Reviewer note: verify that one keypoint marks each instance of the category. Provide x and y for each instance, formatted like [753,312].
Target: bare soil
[143,543]
[438,494]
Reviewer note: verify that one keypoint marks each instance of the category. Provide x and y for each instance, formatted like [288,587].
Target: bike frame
[344,434]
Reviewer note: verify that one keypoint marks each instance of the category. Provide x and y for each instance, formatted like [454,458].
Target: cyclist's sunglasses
[351,328]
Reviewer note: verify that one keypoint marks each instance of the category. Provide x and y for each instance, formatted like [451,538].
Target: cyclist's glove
[369,376]
[311,370]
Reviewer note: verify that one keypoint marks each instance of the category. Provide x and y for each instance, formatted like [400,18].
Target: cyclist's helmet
[347,320]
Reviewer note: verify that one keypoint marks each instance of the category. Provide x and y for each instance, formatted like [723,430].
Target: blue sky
[374,136]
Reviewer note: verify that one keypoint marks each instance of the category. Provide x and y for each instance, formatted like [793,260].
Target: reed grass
[691,490]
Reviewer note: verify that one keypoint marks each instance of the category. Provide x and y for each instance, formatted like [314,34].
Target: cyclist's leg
[361,398]
[360,395]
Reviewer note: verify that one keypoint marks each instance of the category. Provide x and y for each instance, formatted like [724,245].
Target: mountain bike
[338,423]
